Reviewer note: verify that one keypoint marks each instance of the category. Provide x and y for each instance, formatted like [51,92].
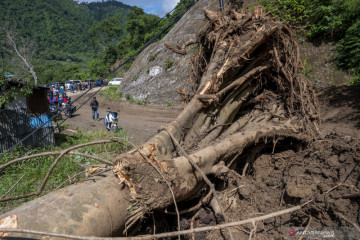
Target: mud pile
[326,173]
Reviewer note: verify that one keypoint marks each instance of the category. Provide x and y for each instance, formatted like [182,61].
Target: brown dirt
[340,110]
[140,122]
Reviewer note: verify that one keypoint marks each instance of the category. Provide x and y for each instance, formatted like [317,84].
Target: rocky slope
[149,78]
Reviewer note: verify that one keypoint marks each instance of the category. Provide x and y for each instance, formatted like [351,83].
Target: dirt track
[139,122]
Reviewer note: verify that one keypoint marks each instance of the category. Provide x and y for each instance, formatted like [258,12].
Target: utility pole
[221,5]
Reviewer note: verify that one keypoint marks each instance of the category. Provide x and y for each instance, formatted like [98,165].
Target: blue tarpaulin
[38,121]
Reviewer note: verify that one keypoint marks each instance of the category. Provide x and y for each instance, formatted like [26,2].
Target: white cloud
[168,5]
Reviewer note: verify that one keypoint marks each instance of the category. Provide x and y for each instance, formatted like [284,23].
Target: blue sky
[158,7]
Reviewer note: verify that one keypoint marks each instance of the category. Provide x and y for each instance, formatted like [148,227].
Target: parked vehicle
[74,82]
[58,84]
[100,82]
[89,82]
[54,109]
[111,120]
[115,81]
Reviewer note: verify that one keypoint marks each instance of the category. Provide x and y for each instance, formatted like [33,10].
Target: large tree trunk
[249,94]
[93,208]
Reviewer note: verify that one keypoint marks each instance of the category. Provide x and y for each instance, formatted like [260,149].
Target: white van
[115,81]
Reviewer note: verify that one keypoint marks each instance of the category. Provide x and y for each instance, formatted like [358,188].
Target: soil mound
[325,175]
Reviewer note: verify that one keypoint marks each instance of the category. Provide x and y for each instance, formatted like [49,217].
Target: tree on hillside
[23,53]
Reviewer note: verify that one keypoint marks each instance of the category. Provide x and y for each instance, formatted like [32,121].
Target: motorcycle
[54,109]
[69,109]
[111,120]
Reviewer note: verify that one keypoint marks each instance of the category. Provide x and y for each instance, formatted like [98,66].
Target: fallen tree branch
[180,50]
[13,187]
[5,165]
[36,193]
[163,235]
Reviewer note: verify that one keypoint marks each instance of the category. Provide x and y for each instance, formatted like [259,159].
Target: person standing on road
[94,107]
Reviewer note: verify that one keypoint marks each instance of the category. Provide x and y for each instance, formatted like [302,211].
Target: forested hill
[102,10]
[57,25]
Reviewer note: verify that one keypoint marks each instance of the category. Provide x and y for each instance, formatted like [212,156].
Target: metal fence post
[221,5]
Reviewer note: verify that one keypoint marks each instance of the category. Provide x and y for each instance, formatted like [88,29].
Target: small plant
[169,103]
[355,81]
[168,64]
[141,102]
[153,56]
[129,98]
[147,70]
[307,70]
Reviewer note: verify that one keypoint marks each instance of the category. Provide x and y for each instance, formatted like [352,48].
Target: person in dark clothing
[94,107]
[69,108]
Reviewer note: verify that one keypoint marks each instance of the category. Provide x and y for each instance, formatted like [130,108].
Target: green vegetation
[307,69]
[153,56]
[56,33]
[8,94]
[34,170]
[335,20]
[129,98]
[168,64]
[111,93]
[348,51]
[141,102]
[169,103]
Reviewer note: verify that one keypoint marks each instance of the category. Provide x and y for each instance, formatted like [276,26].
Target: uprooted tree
[246,95]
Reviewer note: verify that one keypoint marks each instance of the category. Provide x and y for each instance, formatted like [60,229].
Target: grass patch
[111,93]
[168,64]
[153,56]
[129,98]
[33,170]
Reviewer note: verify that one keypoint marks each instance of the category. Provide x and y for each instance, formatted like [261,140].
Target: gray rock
[148,79]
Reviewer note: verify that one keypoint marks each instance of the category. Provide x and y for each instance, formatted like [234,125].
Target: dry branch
[47,175]
[5,165]
[3,196]
[180,50]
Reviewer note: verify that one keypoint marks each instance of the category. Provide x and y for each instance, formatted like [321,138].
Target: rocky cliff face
[158,72]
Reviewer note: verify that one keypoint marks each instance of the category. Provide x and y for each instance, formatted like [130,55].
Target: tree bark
[95,207]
